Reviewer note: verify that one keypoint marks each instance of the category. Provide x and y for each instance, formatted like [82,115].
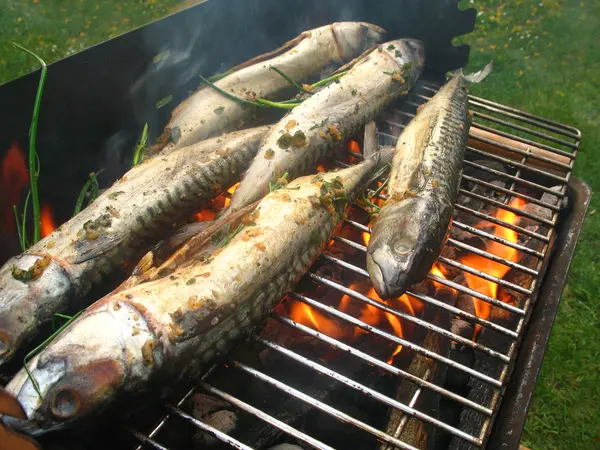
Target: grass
[546,60]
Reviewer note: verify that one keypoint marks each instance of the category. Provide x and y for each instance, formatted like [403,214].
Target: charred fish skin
[208,113]
[168,328]
[62,267]
[331,116]
[408,232]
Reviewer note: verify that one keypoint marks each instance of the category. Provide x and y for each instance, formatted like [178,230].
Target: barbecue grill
[336,378]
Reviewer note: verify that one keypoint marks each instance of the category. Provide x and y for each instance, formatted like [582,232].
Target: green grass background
[547,56]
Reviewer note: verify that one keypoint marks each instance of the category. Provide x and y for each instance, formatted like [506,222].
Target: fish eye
[401,248]
[65,404]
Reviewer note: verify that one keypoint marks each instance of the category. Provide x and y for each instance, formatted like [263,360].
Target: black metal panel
[512,415]
[96,102]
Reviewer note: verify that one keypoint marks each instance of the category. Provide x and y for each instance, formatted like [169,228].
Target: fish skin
[409,230]
[200,116]
[342,107]
[129,343]
[133,211]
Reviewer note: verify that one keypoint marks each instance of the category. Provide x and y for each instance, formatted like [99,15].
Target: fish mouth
[387,283]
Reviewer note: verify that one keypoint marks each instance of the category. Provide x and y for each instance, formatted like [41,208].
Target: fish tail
[382,154]
[478,77]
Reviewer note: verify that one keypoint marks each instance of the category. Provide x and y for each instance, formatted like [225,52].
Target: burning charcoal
[224,421]
[553,199]
[538,211]
[483,175]
[204,405]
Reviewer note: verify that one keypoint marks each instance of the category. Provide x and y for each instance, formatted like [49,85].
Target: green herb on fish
[22,223]
[92,183]
[231,235]
[327,80]
[219,76]
[353,92]
[279,183]
[289,80]
[40,347]
[219,111]
[138,154]
[59,316]
[34,272]
[164,101]
[34,164]
[391,47]
[281,105]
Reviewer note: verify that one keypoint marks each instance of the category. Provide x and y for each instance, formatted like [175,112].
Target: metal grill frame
[483,111]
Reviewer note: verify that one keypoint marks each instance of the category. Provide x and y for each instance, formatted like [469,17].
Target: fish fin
[478,77]
[92,249]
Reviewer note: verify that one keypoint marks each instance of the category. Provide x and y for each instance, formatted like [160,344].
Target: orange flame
[14,177]
[306,315]
[489,288]
[47,225]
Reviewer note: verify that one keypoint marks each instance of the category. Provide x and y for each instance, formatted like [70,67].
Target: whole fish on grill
[163,331]
[409,230]
[61,268]
[207,113]
[331,116]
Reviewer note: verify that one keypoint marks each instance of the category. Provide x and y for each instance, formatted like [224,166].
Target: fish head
[26,300]
[84,370]
[398,254]
[410,55]
[353,38]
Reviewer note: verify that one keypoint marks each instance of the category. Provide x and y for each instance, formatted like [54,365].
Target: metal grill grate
[539,158]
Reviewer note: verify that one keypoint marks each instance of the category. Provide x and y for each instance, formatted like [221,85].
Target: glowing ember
[321,168]
[354,147]
[489,288]
[47,221]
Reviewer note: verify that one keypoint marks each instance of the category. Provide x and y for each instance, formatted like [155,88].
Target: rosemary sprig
[43,345]
[92,182]
[138,154]
[292,82]
[34,168]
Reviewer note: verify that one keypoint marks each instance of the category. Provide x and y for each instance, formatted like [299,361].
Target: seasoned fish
[165,330]
[207,113]
[62,267]
[426,170]
[309,131]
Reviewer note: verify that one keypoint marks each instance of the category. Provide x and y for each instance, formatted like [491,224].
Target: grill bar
[385,366]
[368,391]
[523,180]
[322,406]
[265,417]
[409,318]
[395,339]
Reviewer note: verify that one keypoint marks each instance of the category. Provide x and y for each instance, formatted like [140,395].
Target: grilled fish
[61,268]
[325,120]
[131,342]
[423,186]
[208,113]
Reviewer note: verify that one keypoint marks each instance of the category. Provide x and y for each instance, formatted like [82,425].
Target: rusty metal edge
[510,420]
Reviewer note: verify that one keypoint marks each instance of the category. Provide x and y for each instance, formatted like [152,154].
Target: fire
[14,177]
[47,225]
[367,313]
[489,288]
[306,315]
[366,237]
[218,203]
[321,168]
[354,147]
